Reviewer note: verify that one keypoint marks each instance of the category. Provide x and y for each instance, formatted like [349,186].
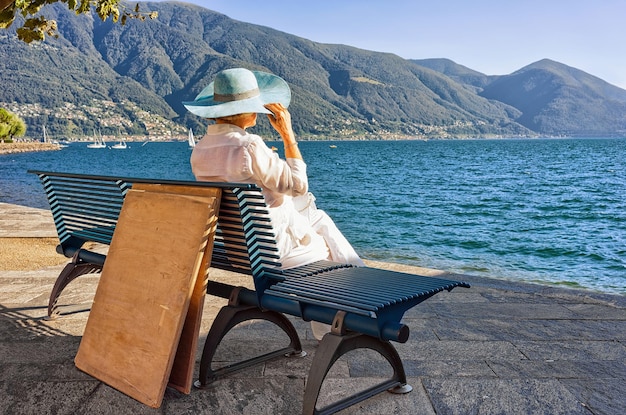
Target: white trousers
[340,249]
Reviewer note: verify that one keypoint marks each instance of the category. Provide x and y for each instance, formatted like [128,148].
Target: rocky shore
[10,148]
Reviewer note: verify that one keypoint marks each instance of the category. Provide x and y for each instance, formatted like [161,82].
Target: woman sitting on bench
[228,153]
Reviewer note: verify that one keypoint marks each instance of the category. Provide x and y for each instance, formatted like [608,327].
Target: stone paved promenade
[497,348]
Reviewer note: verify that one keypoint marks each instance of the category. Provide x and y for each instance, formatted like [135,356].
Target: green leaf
[84,7]
[6,18]
[36,28]
[29,35]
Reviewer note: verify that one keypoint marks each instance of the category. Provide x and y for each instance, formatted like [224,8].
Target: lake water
[542,210]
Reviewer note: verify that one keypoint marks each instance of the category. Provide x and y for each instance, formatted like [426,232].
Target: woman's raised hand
[280,118]
[281,121]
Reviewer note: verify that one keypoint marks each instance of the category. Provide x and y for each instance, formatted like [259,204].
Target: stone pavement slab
[471,362]
[25,222]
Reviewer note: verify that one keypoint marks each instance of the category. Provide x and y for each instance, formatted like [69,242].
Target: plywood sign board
[144,292]
[181,376]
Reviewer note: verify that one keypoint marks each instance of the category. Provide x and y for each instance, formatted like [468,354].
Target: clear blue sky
[495,37]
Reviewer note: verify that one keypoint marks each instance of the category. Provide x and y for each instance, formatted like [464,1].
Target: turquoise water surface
[543,210]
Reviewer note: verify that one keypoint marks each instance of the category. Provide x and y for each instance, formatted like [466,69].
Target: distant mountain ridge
[456,72]
[557,99]
[133,78]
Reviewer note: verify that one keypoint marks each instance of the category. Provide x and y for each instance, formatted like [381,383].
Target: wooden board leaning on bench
[364,305]
[145,317]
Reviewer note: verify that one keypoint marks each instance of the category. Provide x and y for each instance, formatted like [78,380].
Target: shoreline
[28,243]
[33,254]
[12,148]
[29,147]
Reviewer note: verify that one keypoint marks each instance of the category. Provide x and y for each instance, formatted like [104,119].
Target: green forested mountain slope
[559,100]
[134,77]
[456,72]
[553,98]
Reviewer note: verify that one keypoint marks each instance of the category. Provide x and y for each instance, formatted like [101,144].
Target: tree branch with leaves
[36,27]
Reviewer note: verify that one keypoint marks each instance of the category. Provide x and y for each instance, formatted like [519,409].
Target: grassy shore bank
[9,148]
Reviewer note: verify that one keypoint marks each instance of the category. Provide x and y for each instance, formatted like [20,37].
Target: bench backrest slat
[83,209]
[86,208]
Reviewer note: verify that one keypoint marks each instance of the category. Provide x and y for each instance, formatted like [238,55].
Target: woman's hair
[232,119]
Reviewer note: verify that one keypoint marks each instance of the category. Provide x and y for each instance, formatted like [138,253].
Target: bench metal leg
[73,270]
[332,347]
[227,318]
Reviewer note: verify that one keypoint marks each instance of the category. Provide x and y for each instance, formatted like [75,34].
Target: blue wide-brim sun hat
[240,91]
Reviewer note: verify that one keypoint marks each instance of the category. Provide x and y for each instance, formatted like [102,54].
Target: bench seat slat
[343,287]
[342,294]
[338,292]
[380,284]
[296,300]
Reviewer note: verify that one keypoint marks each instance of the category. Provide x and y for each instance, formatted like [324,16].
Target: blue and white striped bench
[364,305]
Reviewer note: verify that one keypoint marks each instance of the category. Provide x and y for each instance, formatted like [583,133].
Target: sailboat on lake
[47,139]
[98,142]
[191,140]
[120,146]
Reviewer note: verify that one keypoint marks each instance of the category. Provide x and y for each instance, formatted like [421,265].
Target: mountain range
[133,78]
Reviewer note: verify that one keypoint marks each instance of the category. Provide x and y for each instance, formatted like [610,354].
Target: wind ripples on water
[549,211]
